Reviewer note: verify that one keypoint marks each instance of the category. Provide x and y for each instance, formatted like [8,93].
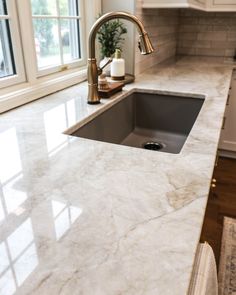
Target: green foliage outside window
[42,27]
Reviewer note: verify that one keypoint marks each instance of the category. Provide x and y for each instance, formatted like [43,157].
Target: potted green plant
[110,38]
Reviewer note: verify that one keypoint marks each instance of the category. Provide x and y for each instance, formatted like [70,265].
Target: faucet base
[93,102]
[93,96]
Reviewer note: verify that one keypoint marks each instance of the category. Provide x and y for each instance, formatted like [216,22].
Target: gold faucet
[144,44]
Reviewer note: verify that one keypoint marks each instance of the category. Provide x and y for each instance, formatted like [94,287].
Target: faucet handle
[107,63]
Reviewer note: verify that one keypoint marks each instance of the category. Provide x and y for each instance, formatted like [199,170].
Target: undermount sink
[144,120]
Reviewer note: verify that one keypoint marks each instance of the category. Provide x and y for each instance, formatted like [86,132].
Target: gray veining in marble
[85,217]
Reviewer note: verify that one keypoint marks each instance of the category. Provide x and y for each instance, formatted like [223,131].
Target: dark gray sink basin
[142,120]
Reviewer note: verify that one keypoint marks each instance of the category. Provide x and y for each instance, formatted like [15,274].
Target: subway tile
[213,35]
[186,51]
[225,14]
[187,36]
[189,20]
[210,52]
[224,45]
[187,28]
[230,52]
[213,21]
[231,36]
[220,27]
[192,13]
[196,44]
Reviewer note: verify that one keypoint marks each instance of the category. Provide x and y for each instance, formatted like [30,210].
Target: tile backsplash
[162,27]
[185,32]
[206,33]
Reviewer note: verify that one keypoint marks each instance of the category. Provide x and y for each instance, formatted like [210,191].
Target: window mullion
[55,16]
[4,16]
[27,37]
[59,32]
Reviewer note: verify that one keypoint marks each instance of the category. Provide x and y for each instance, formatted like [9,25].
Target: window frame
[28,40]
[36,86]
[19,77]
[66,65]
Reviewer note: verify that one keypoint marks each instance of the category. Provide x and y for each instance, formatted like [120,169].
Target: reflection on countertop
[21,232]
[85,217]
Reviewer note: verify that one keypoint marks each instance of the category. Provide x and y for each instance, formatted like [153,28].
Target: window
[10,71]
[7,63]
[57,33]
[52,37]
[38,40]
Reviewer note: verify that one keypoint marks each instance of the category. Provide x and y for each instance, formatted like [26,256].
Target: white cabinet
[163,3]
[221,5]
[228,134]
[198,4]
[206,5]
[224,2]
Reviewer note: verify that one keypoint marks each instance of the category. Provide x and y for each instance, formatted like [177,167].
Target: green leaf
[109,37]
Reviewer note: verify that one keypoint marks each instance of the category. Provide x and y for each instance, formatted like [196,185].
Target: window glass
[7,64]
[44,7]
[70,40]
[69,7]
[57,37]
[3,7]
[46,42]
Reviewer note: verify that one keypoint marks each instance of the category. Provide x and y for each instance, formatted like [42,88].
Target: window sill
[24,93]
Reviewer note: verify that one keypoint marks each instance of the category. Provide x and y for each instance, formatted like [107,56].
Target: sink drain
[153,146]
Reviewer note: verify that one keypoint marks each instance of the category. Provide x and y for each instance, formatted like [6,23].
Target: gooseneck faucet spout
[144,44]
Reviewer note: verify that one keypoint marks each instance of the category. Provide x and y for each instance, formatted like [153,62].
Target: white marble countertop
[85,217]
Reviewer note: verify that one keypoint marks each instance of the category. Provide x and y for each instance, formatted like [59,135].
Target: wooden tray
[128,79]
[113,88]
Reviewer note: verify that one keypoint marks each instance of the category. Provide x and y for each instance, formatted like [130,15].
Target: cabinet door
[197,4]
[201,4]
[165,3]
[221,5]
[228,134]
[206,5]
[224,2]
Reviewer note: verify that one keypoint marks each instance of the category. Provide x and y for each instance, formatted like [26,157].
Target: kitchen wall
[128,46]
[162,27]
[206,33]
